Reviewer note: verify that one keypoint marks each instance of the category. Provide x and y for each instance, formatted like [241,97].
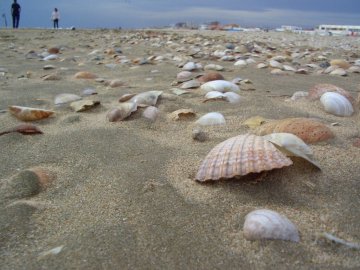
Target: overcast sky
[149,13]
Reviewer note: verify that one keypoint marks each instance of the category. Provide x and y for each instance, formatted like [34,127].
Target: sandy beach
[123,195]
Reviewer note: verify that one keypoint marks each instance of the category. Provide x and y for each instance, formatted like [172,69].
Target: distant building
[338,30]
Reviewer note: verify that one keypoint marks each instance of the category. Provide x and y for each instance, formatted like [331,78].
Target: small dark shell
[210,76]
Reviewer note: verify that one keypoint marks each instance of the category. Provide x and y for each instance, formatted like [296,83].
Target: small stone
[199,135]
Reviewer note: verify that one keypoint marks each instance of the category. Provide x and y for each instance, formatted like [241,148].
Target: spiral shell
[220,86]
[239,156]
[29,114]
[336,104]
[267,224]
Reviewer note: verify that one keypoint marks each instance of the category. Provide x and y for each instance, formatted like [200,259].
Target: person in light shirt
[55,16]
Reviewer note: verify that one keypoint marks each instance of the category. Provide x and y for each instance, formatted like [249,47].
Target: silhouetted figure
[15,12]
[55,16]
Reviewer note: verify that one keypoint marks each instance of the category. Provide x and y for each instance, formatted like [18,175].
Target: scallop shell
[151,113]
[124,111]
[292,145]
[319,89]
[309,130]
[220,86]
[210,76]
[239,156]
[29,114]
[85,75]
[336,104]
[64,98]
[148,98]
[267,224]
[211,119]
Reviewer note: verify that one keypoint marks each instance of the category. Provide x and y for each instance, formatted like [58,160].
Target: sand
[124,195]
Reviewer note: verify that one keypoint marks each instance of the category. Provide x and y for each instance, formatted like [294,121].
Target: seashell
[227,58]
[354,69]
[309,130]
[151,113]
[267,224]
[339,72]
[241,63]
[182,114]
[29,114]
[214,95]
[179,92]
[210,76]
[126,97]
[240,156]
[148,98]
[330,69]
[220,86]
[189,66]
[211,119]
[51,57]
[237,80]
[214,67]
[48,67]
[319,89]
[25,129]
[275,64]
[298,95]
[254,121]
[190,84]
[114,83]
[250,61]
[62,99]
[198,135]
[291,145]
[85,75]
[301,71]
[278,71]
[84,105]
[261,65]
[288,68]
[184,76]
[340,63]
[53,50]
[336,104]
[124,111]
[89,92]
[232,97]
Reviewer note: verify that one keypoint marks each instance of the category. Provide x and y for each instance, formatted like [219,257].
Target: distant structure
[288,28]
[338,30]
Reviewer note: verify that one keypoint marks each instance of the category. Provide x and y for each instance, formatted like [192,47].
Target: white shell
[220,86]
[51,57]
[275,64]
[189,66]
[213,118]
[267,224]
[336,104]
[214,95]
[261,65]
[339,72]
[241,63]
[190,84]
[227,58]
[66,98]
[232,97]
[289,68]
[291,145]
[214,67]
[151,113]
[148,98]
[184,76]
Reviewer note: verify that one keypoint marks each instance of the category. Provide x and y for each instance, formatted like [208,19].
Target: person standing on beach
[15,12]
[55,16]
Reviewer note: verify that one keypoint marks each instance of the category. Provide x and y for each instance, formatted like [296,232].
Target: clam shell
[214,95]
[239,156]
[189,66]
[151,113]
[211,119]
[85,75]
[210,76]
[28,113]
[124,111]
[267,224]
[190,84]
[232,97]
[318,90]
[309,130]
[66,98]
[148,98]
[184,76]
[292,145]
[336,104]
[275,64]
[220,86]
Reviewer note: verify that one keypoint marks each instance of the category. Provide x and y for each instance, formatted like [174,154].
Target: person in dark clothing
[15,12]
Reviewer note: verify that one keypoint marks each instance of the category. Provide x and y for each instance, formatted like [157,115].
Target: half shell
[239,156]
[29,114]
[148,98]
[124,111]
[211,119]
[220,86]
[319,89]
[336,104]
[267,224]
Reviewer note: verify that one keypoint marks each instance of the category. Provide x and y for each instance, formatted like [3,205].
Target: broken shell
[254,121]
[267,224]
[214,95]
[309,130]
[29,114]
[319,89]
[239,156]
[25,129]
[124,111]
[62,99]
[182,114]
[292,145]
[85,75]
[336,104]
[211,119]
[84,105]
[220,86]
[126,97]
[151,113]
[145,99]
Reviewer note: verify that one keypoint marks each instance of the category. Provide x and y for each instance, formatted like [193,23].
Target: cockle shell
[122,112]
[336,104]
[211,119]
[267,224]
[309,130]
[189,66]
[66,98]
[210,76]
[318,90]
[220,86]
[148,98]
[151,113]
[29,114]
[239,156]
[292,145]
[85,75]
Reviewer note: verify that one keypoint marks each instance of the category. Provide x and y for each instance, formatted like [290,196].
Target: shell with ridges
[220,86]
[239,156]
[267,224]
[318,90]
[336,104]
[29,114]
